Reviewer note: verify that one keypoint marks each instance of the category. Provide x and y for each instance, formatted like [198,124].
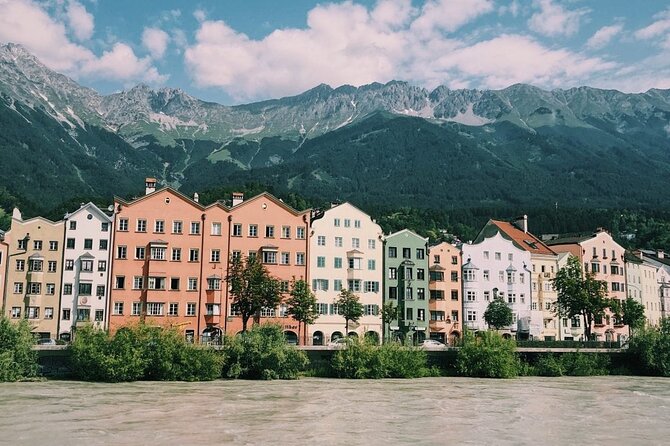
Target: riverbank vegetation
[649,350]
[17,359]
[487,355]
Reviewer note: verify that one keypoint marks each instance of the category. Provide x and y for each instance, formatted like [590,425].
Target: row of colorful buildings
[164,257]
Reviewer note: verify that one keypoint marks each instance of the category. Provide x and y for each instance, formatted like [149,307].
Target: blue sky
[235,51]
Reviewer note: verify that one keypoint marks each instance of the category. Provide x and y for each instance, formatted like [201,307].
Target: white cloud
[200,15]
[155,40]
[513,8]
[554,20]
[80,20]
[27,23]
[347,43]
[659,28]
[449,15]
[603,36]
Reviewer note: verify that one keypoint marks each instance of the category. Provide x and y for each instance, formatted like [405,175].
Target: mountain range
[390,144]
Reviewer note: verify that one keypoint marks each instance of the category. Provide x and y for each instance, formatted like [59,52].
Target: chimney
[660,254]
[521,223]
[196,197]
[16,215]
[238,197]
[150,184]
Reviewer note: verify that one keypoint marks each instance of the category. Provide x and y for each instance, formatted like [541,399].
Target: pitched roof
[524,240]
[575,240]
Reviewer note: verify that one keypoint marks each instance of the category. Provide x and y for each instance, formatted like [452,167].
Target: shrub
[649,349]
[365,360]
[261,353]
[487,356]
[17,358]
[572,364]
[549,365]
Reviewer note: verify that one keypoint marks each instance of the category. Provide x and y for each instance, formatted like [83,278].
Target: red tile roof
[526,240]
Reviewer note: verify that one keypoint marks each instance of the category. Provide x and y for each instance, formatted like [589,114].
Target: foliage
[580,294]
[362,359]
[498,314]
[572,364]
[487,356]
[350,307]
[261,353]
[302,305]
[141,352]
[17,359]
[389,313]
[649,348]
[633,314]
[252,288]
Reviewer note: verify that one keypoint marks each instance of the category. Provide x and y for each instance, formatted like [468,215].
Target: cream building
[346,251]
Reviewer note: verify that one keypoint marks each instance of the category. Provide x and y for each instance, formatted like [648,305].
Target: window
[471,316]
[140,251]
[347,223]
[121,252]
[141,225]
[159,226]
[284,286]
[216,228]
[393,252]
[193,255]
[371,310]
[20,265]
[372,243]
[99,315]
[270,257]
[51,266]
[406,253]
[195,228]
[510,257]
[123,224]
[120,282]
[70,243]
[67,313]
[354,285]
[100,290]
[67,289]
[35,265]
[173,309]
[336,222]
[393,272]
[190,309]
[118,308]
[420,274]
[486,275]
[53,246]
[176,254]
[357,223]
[154,308]
[192,284]
[236,255]
[501,276]
[267,312]
[237,230]
[253,230]
[372,264]
[215,255]
[498,257]
[420,314]
[393,292]
[320,284]
[84,289]
[321,262]
[87,265]
[511,277]
[18,287]
[511,298]
[337,285]
[104,227]
[409,314]
[322,308]
[421,293]
[420,253]
[138,282]
[37,245]
[285,258]
[177,227]
[437,315]
[355,242]
[454,294]
[103,245]
[285,232]
[269,231]
[300,232]
[32,312]
[137,309]
[34,288]
[354,263]
[409,293]
[437,294]
[468,275]
[471,296]
[321,240]
[156,283]
[338,242]
[371,286]
[23,244]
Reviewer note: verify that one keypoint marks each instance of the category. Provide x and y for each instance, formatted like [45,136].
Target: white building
[661,261]
[346,251]
[86,265]
[494,266]
[642,286]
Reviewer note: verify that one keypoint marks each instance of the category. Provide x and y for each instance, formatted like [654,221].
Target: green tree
[633,314]
[498,314]
[389,313]
[17,358]
[580,294]
[302,306]
[349,307]
[252,288]
[487,356]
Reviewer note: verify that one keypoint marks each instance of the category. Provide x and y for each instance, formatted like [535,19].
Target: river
[312,411]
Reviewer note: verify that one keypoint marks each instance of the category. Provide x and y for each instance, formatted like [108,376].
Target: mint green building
[406,278]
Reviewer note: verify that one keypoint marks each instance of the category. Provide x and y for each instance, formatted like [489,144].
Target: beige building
[642,286]
[34,268]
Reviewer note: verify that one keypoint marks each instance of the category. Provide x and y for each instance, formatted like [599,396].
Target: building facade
[661,261]
[406,285]
[346,251]
[642,286]
[445,304]
[34,268]
[604,258]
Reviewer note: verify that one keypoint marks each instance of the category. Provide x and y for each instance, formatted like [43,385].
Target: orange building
[445,303]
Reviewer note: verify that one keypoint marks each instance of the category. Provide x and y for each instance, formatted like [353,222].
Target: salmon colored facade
[445,303]
[157,270]
[276,234]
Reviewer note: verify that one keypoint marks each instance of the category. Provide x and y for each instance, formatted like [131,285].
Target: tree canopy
[349,307]
[498,314]
[302,305]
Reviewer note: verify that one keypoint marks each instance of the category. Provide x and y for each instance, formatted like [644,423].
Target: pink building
[445,303]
